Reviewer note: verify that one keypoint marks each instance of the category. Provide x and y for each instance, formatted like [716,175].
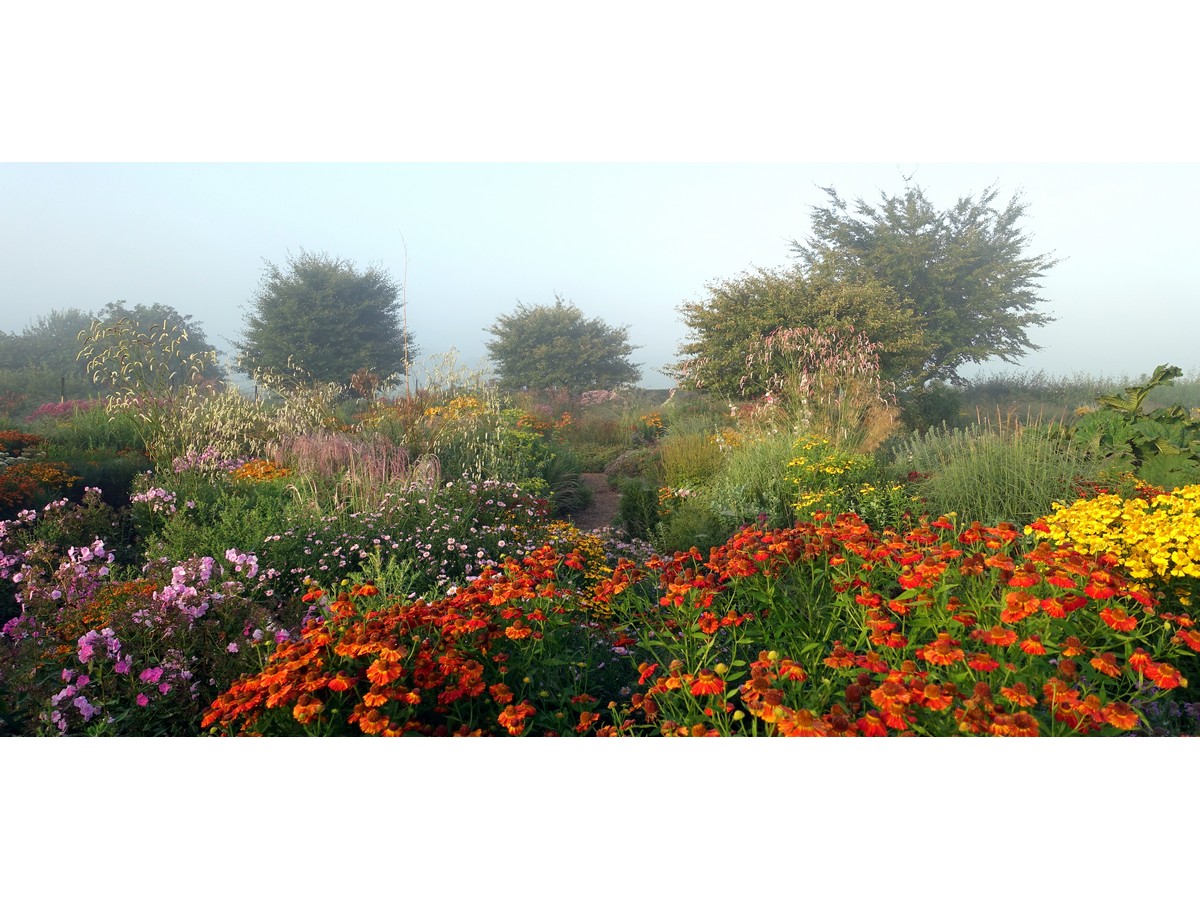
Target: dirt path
[603,508]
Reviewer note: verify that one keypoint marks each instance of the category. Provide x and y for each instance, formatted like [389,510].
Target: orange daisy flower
[871,725]
[1165,676]
[944,651]
[707,682]
[982,662]
[1120,715]
[501,693]
[1139,659]
[382,672]
[1018,694]
[1106,664]
[1073,647]
[1116,618]
[996,636]
[1033,645]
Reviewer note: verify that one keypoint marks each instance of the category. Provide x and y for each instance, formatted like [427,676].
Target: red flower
[944,651]
[1018,694]
[1120,715]
[982,662]
[1139,659]
[871,725]
[646,670]
[1116,618]
[707,682]
[996,636]
[1072,647]
[1165,676]
[1033,645]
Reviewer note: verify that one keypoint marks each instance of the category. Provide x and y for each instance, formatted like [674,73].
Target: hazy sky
[626,242]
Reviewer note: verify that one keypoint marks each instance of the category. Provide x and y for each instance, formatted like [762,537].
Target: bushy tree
[964,272]
[732,321]
[321,315]
[556,346]
[50,343]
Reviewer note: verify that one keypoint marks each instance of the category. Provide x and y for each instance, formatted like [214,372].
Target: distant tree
[322,315]
[964,272]
[50,344]
[732,321]
[555,346]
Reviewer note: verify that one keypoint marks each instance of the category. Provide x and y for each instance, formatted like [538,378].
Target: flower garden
[311,565]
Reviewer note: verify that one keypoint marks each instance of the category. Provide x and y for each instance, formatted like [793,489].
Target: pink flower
[142,699]
[151,675]
[164,688]
[233,647]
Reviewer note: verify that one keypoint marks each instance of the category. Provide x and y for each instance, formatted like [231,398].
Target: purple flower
[81,704]
[123,665]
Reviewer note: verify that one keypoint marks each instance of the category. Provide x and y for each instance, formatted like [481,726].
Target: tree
[322,315]
[731,323]
[964,272]
[555,346]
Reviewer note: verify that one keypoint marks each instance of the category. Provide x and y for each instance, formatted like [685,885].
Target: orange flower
[513,717]
[1106,664]
[1165,676]
[708,623]
[802,723]
[982,662]
[791,670]
[1018,605]
[1139,659]
[935,697]
[943,651]
[707,682]
[996,636]
[586,720]
[501,694]
[381,672]
[306,709]
[645,670]
[1117,618]
[1120,715]
[1018,694]
[518,632]
[871,725]
[373,722]
[341,682]
[1072,647]
[1033,645]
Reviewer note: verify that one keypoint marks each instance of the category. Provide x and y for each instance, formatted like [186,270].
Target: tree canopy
[965,271]
[934,289]
[737,314]
[556,346]
[321,315]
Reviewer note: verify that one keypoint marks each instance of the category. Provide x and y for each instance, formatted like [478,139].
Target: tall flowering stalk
[826,382]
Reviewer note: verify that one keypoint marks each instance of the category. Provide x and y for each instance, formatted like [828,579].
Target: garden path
[603,508]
